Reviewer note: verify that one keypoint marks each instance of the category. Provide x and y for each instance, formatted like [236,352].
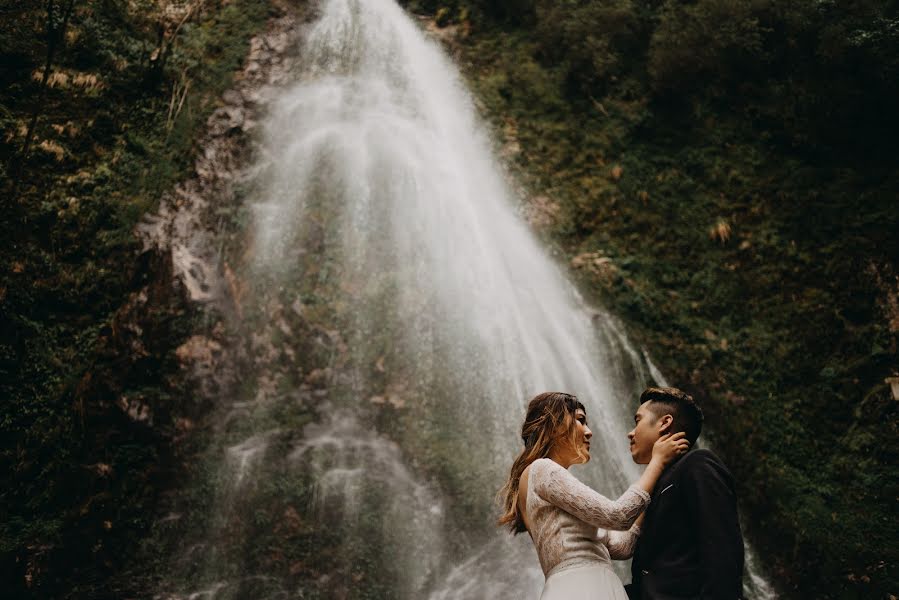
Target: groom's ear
[664,424]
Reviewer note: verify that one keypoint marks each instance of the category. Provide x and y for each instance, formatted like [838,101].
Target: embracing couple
[678,521]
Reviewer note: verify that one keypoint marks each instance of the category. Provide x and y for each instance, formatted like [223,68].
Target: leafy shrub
[710,39]
[592,41]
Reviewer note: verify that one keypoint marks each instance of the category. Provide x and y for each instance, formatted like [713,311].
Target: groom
[691,545]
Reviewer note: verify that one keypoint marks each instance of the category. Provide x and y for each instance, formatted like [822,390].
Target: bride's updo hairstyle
[550,420]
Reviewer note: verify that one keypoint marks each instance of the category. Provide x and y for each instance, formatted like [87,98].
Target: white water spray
[381,133]
[379,185]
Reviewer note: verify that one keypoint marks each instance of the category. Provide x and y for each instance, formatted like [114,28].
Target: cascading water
[393,289]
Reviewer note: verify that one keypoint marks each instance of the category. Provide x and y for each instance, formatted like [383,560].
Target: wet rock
[136,409]
[264,352]
[266,388]
[393,396]
[893,382]
[318,377]
[510,150]
[136,330]
[199,351]
[284,327]
[254,96]
[541,212]
[600,266]
[197,273]
[233,97]
[276,42]
[236,289]
[257,49]
[102,469]
[128,331]
[446,33]
[226,120]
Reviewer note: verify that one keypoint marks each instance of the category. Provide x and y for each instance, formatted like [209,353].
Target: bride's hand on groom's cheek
[670,446]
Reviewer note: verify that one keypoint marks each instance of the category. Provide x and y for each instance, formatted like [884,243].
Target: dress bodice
[572,525]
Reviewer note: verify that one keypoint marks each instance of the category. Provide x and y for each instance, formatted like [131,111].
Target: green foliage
[589,40]
[702,42]
[508,11]
[80,477]
[738,174]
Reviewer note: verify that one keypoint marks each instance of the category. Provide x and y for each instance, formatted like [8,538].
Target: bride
[575,530]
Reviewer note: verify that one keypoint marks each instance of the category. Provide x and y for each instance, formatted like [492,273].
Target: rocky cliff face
[106,329]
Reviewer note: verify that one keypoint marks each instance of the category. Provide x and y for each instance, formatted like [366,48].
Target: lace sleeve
[621,544]
[560,488]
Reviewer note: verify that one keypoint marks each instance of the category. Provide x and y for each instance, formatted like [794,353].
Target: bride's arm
[621,544]
[560,488]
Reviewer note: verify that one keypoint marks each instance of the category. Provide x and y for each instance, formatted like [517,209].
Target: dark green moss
[754,257]
[79,477]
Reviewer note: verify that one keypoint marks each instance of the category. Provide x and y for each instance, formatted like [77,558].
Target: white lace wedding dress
[577,533]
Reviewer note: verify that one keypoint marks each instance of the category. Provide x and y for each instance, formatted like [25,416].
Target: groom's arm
[710,497]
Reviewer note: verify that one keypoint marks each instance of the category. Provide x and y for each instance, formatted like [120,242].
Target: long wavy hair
[550,420]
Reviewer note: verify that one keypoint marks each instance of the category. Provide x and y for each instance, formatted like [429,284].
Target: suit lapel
[652,525]
[646,541]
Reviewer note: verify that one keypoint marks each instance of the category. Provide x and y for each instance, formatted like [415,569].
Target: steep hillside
[723,176]
[100,107]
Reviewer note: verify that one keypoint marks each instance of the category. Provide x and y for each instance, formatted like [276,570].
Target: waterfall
[398,316]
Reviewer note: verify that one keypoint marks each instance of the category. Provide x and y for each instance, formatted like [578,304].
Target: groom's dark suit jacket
[691,545]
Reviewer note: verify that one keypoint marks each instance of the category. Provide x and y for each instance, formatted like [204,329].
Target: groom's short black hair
[680,405]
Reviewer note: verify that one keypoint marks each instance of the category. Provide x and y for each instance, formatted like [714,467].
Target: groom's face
[647,429]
